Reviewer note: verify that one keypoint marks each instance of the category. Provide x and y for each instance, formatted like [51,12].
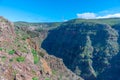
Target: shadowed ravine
[89,49]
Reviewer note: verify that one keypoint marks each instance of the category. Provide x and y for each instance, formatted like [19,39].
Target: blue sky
[58,10]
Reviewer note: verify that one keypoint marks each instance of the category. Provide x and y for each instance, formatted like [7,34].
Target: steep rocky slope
[88,47]
[22,59]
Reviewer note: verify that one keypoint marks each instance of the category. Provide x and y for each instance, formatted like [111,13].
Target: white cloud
[87,15]
[110,16]
[96,16]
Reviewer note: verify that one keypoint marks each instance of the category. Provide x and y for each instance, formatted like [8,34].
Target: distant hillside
[109,21]
[90,48]
[38,25]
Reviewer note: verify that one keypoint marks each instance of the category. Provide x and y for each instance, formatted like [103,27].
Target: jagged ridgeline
[90,48]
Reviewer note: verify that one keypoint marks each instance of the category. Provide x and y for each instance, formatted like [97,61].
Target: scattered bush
[24,37]
[60,77]
[34,52]
[35,55]
[20,59]
[15,72]
[47,79]
[11,60]
[36,59]
[35,78]
[1,49]
[11,52]
[3,58]
[18,45]
[54,72]
[41,54]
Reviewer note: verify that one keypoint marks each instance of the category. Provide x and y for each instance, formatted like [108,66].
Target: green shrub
[35,78]
[41,54]
[1,49]
[24,37]
[15,72]
[36,59]
[47,79]
[34,52]
[18,45]
[54,72]
[11,60]
[3,58]
[11,52]
[35,55]
[20,59]
[60,78]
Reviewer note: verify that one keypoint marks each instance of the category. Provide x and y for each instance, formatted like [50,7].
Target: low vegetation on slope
[22,59]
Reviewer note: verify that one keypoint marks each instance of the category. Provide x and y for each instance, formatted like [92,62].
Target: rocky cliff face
[7,33]
[89,49]
[22,59]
